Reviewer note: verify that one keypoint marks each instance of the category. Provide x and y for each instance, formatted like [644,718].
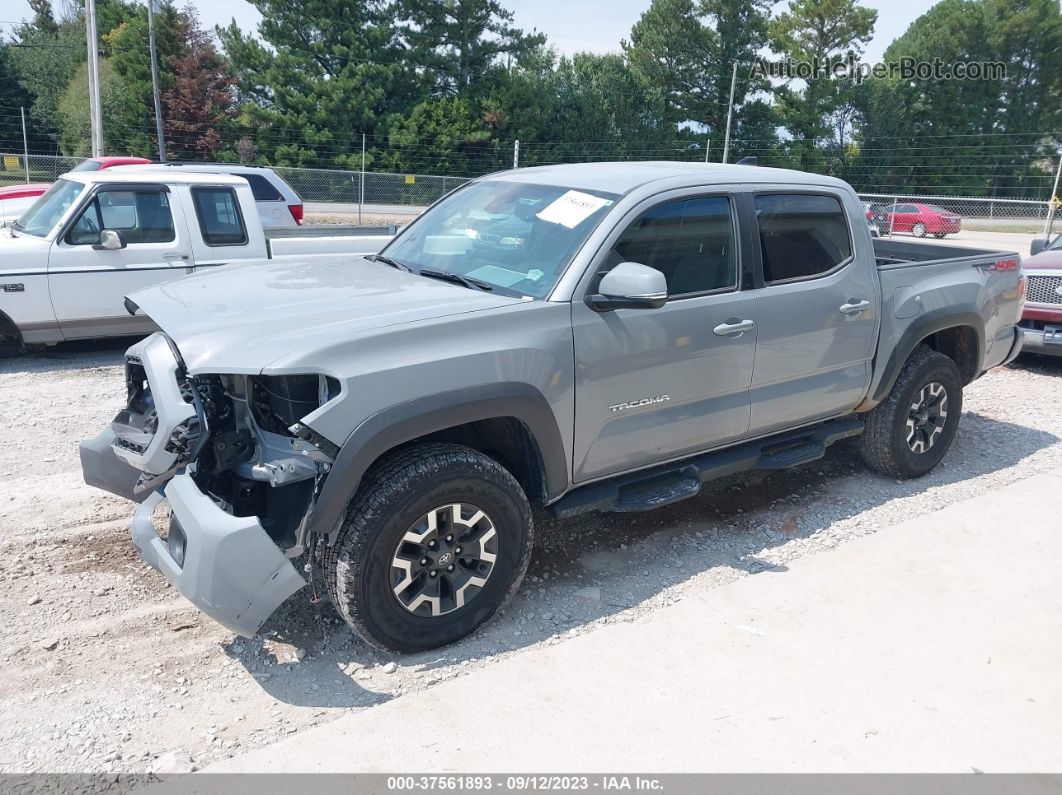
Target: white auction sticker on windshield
[572,208]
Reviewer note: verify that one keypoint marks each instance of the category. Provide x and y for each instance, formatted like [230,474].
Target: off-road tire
[884,443]
[392,495]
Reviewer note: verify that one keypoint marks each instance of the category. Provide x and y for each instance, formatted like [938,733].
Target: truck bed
[327,239]
[892,254]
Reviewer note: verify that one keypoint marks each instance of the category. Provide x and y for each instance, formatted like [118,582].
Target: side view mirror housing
[109,241]
[630,285]
[1038,244]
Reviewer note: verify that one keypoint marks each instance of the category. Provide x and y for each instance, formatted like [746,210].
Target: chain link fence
[42,168]
[337,195]
[325,190]
[959,220]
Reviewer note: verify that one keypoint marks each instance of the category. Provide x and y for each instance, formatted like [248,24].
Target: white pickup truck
[69,261]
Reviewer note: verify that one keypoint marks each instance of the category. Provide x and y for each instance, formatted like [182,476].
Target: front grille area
[1044,290]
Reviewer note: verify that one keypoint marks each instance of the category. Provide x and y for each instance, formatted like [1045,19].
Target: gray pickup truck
[597,337]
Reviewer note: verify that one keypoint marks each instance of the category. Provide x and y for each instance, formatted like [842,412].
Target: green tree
[667,46]
[969,136]
[736,30]
[327,71]
[519,103]
[47,54]
[118,106]
[12,97]
[600,100]
[456,41]
[440,135]
[823,32]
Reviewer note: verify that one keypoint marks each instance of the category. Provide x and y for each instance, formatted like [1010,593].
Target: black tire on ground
[885,441]
[10,339]
[393,499]
[939,235]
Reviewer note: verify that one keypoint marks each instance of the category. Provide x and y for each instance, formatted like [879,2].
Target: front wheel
[437,540]
[919,230]
[908,434]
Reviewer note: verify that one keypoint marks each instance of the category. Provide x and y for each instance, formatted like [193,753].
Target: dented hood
[240,318]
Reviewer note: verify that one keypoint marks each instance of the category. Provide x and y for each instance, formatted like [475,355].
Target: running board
[652,488]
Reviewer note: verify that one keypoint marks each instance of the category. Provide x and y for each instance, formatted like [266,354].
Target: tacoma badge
[633,404]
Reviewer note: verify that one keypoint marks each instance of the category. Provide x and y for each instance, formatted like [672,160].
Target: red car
[920,220]
[100,163]
[34,189]
[1042,319]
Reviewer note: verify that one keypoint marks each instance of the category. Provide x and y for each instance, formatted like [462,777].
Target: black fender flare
[417,418]
[922,327]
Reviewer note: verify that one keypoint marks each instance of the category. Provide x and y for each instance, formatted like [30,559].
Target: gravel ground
[104,668]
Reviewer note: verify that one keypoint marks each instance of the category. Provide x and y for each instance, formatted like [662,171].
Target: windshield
[517,237]
[87,165]
[45,213]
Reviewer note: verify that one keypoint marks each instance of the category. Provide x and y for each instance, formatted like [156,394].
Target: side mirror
[109,241]
[630,285]
[1038,244]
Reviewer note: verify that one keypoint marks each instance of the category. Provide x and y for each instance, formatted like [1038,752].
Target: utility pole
[25,145]
[707,149]
[361,189]
[729,113]
[1051,205]
[155,80]
[95,113]
[516,153]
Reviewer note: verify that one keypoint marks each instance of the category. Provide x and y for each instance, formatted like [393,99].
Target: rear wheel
[939,235]
[919,230]
[908,434]
[437,539]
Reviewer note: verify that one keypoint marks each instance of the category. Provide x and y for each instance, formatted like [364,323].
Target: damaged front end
[239,472]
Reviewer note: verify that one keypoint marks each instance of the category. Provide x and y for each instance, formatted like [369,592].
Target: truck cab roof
[125,177]
[623,177]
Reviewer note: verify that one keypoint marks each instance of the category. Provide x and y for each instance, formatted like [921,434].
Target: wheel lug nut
[423,561]
[431,544]
[457,551]
[434,573]
[450,567]
[449,539]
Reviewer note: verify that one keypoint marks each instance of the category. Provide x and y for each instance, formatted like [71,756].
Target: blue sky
[571,25]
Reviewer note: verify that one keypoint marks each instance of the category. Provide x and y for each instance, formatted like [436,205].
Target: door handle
[854,307]
[734,327]
[174,255]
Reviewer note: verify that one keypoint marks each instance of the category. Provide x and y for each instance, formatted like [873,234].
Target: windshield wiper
[457,278]
[388,261]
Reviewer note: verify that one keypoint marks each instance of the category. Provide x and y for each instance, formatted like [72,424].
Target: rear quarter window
[262,188]
[220,219]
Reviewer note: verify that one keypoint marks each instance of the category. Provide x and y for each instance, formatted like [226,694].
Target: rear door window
[220,220]
[801,235]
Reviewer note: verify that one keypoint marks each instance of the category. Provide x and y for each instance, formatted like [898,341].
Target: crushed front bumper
[231,569]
